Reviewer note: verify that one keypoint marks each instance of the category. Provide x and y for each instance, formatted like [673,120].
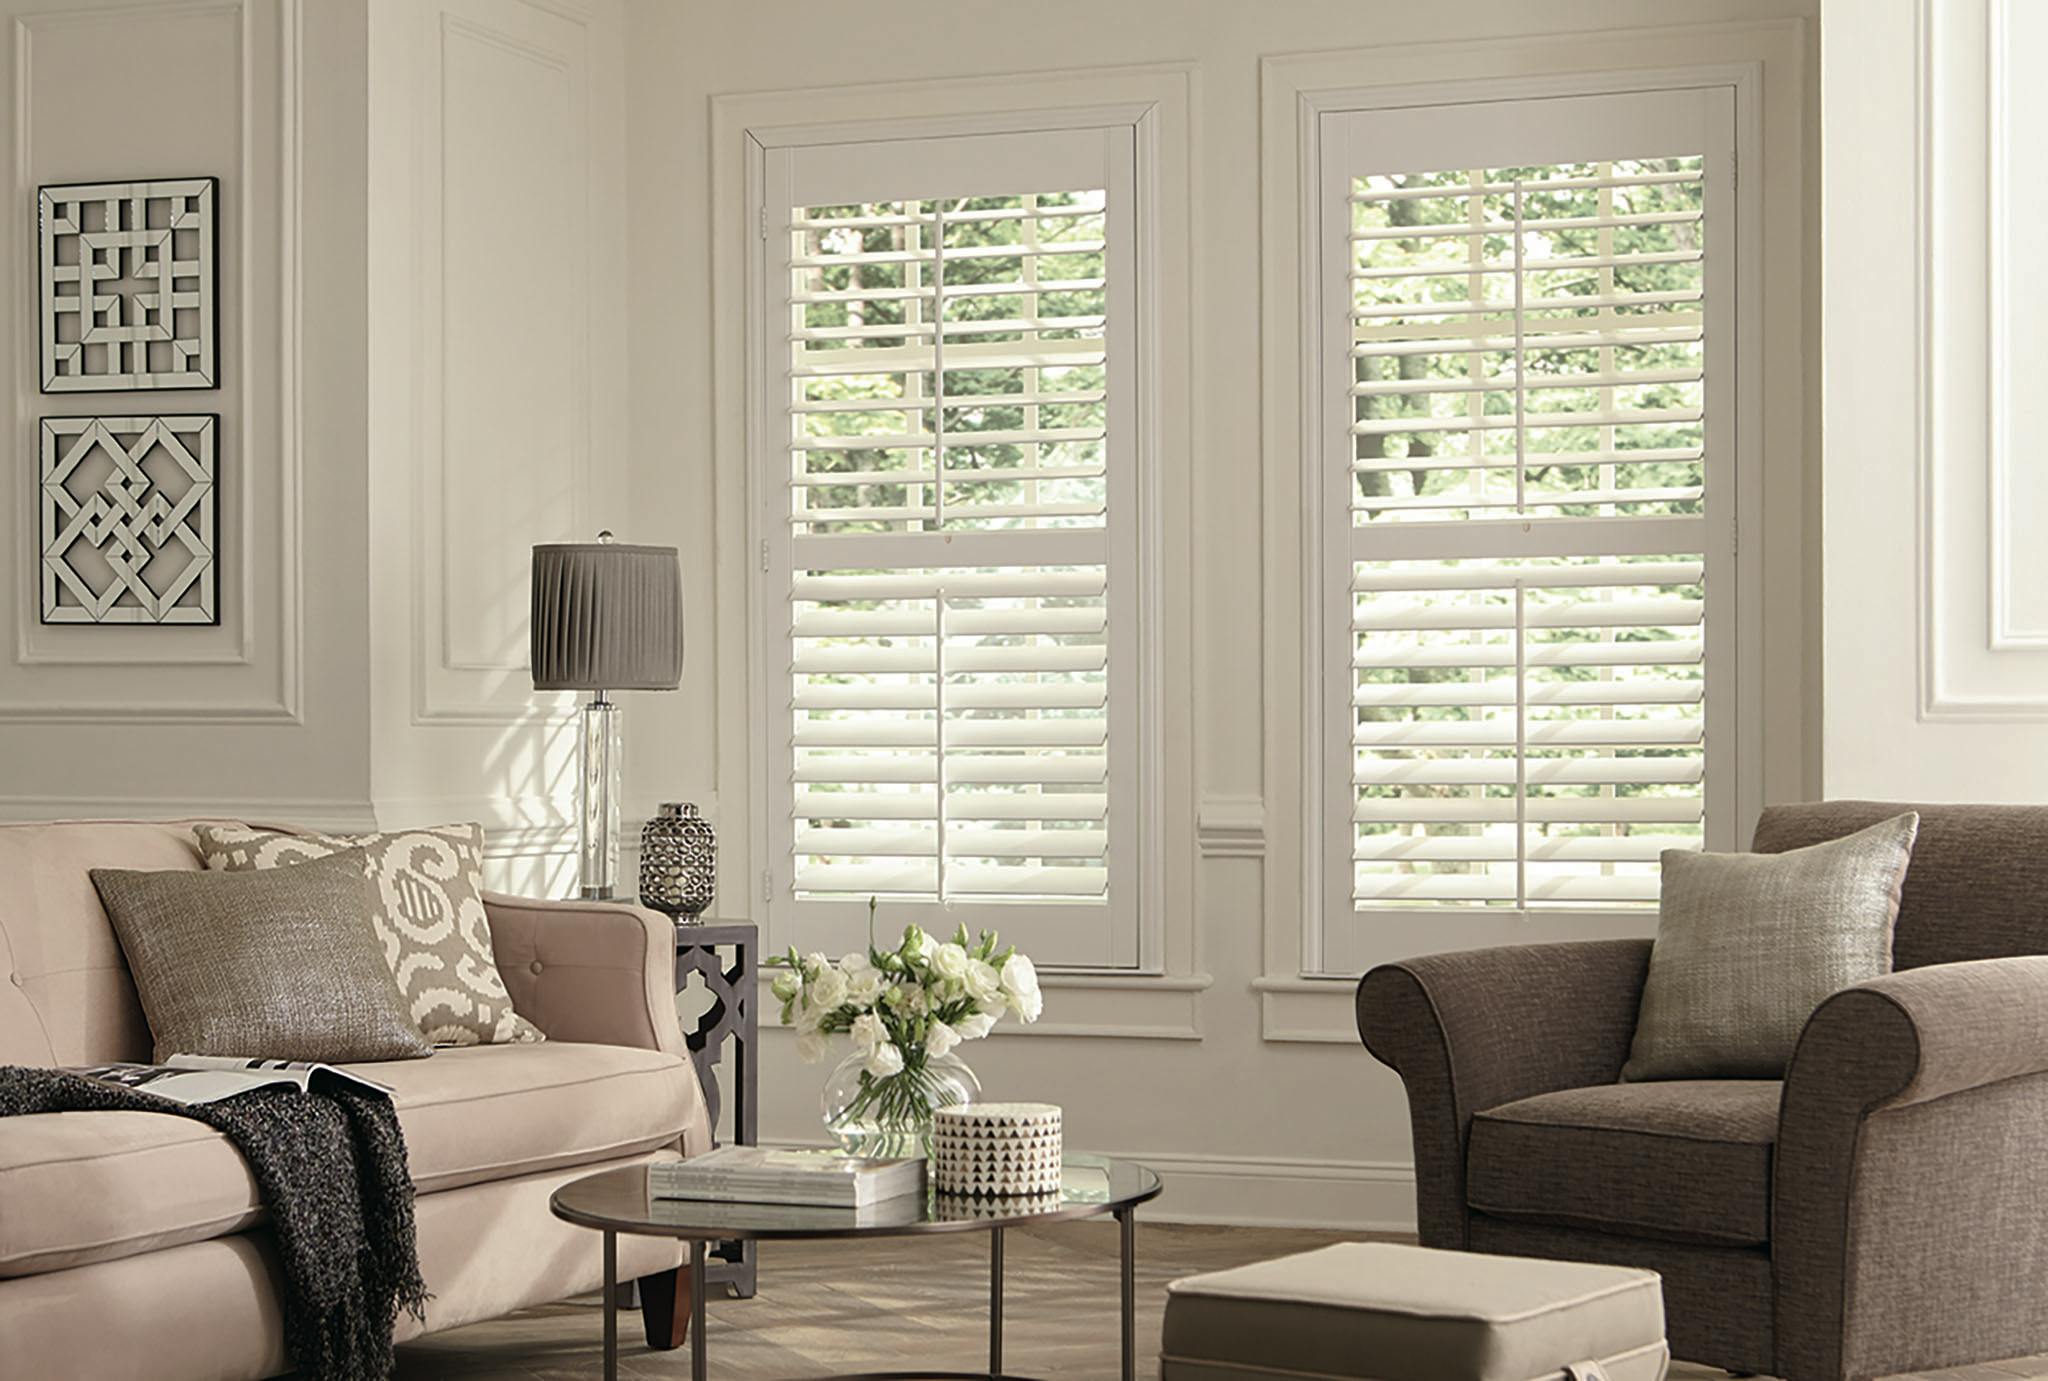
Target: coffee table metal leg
[611,1306]
[995,1303]
[1128,1224]
[698,1292]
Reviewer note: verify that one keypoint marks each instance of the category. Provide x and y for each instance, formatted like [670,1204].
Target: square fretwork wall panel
[129,298]
[128,520]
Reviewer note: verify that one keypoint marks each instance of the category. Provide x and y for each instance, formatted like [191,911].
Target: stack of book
[757,1175]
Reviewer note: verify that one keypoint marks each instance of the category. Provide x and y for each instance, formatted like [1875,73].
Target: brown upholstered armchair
[1883,1209]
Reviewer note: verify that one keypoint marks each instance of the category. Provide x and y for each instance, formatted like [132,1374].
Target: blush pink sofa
[132,1244]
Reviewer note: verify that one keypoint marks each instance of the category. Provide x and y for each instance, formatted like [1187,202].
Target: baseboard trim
[1283,1192]
[1270,1192]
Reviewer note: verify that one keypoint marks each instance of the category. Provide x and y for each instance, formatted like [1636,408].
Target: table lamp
[607,617]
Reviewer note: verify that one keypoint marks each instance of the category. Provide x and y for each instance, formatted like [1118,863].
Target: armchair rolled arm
[601,972]
[1473,1029]
[1859,1114]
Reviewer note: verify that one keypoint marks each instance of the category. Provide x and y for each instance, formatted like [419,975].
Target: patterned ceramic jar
[678,861]
[996,1150]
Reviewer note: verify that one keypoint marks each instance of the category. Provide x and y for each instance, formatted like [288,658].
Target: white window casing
[947,495]
[1522,493]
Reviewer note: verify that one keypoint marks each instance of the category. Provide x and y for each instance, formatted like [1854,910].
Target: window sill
[1099,1006]
[1301,1009]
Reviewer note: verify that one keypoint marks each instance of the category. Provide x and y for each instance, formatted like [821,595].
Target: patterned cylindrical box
[996,1150]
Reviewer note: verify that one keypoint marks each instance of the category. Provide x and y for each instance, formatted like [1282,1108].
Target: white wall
[1936,537]
[1241,1080]
[472,303]
[265,713]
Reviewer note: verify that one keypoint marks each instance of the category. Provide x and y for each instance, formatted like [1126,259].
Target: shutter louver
[948,615]
[1528,480]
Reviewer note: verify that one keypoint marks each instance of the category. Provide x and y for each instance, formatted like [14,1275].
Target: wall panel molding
[251,674]
[2017,208]
[1982,562]
[498,65]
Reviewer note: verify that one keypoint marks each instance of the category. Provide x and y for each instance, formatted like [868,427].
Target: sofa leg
[665,1308]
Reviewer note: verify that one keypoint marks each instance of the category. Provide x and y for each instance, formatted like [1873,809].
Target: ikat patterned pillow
[427,886]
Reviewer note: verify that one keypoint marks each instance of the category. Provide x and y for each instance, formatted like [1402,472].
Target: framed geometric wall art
[128,520]
[128,298]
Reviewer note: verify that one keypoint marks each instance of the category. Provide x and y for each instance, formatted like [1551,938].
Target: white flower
[982,980]
[994,1007]
[916,1002]
[974,1026]
[787,985]
[828,989]
[885,1061]
[807,1020]
[855,964]
[916,941]
[864,987]
[811,1046]
[940,1039]
[815,961]
[1020,978]
[1029,1005]
[868,1032]
[950,961]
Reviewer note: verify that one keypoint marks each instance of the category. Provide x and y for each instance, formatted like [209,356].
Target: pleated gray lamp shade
[607,616]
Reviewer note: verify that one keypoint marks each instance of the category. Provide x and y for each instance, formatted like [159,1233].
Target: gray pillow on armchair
[1748,945]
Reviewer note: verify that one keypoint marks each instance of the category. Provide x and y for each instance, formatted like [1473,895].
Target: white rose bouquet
[904,1008]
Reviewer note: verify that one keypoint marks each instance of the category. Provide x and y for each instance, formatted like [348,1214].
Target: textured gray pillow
[1749,944]
[278,965]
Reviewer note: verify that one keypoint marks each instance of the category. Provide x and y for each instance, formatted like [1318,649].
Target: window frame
[1325,752]
[1138,943]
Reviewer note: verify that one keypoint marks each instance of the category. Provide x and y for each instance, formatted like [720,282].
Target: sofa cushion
[1685,1159]
[94,1186]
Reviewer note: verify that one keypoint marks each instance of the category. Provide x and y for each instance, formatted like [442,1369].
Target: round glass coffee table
[617,1201]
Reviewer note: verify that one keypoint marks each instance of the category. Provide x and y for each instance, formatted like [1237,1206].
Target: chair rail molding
[250,668]
[1978,243]
[1231,827]
[328,815]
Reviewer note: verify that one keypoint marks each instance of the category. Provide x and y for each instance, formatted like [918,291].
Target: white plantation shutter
[1526,540]
[951,626]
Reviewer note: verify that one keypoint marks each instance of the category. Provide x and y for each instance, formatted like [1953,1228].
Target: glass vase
[892,1116]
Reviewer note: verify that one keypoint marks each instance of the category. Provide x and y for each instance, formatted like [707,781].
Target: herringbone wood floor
[904,1303]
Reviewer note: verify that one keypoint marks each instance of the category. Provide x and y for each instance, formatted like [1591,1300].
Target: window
[948,492]
[1524,558]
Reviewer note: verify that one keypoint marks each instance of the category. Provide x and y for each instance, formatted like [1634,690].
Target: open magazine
[210,1078]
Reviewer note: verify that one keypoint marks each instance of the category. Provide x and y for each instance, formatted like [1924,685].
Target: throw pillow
[428,910]
[1749,944]
[278,965]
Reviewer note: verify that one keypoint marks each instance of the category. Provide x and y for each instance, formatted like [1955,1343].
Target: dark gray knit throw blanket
[332,1172]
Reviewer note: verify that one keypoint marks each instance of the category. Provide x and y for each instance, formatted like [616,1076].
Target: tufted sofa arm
[602,972]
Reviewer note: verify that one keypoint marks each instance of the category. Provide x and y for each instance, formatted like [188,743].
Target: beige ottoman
[1376,1311]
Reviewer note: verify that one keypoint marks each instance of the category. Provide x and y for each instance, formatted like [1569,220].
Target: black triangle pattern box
[996,1150]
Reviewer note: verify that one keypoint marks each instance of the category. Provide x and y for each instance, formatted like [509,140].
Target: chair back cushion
[1977,887]
[65,994]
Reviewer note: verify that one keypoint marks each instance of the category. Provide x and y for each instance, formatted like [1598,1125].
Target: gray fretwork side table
[730,1022]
